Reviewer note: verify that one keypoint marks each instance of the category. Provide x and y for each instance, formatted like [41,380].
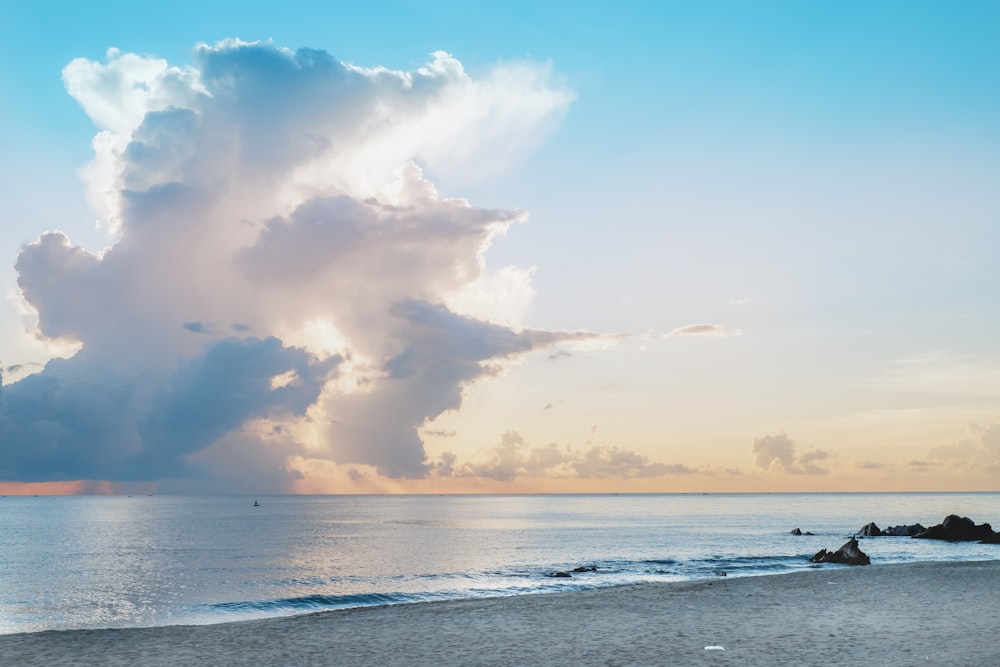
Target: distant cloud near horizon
[980,449]
[286,185]
[514,458]
[780,453]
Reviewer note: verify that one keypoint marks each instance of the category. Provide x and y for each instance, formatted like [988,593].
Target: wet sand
[889,615]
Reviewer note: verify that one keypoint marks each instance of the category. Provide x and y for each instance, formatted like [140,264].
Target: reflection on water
[115,561]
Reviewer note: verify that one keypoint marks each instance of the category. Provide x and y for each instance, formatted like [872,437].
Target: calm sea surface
[89,562]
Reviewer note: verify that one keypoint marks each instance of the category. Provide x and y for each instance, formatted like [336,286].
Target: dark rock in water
[585,568]
[909,530]
[798,531]
[822,556]
[559,575]
[992,540]
[958,529]
[869,530]
[849,554]
[872,530]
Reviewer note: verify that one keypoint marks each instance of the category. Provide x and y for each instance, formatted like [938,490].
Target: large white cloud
[282,270]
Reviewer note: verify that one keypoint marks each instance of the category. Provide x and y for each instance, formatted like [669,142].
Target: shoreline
[939,613]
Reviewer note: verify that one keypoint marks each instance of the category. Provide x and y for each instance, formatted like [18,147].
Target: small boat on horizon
[256,504]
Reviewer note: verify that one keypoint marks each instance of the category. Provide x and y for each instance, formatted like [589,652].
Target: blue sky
[816,181]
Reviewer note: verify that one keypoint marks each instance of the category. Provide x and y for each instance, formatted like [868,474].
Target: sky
[527,247]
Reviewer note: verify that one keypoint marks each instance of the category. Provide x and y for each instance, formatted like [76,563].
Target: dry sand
[915,614]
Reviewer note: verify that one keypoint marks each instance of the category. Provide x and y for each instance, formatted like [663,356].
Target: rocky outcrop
[906,530]
[798,531]
[869,530]
[558,574]
[849,554]
[956,528]
[872,530]
[584,568]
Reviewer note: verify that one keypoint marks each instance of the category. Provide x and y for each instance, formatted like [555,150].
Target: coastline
[935,613]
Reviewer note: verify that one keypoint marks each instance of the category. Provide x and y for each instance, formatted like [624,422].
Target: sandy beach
[914,614]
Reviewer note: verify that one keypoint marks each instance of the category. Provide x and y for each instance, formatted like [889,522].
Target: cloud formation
[284,278]
[980,449]
[779,453]
[717,330]
[514,458]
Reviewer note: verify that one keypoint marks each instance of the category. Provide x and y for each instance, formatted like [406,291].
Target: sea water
[94,562]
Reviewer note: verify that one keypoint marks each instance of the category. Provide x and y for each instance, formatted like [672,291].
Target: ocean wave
[518,581]
[314,602]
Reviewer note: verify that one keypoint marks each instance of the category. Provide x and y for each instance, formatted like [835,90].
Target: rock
[849,554]
[956,528]
[872,530]
[585,568]
[869,530]
[822,556]
[992,540]
[559,575]
[904,531]
[797,531]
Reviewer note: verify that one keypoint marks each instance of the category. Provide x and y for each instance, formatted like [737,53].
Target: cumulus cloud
[979,449]
[278,192]
[780,453]
[79,419]
[514,458]
[717,330]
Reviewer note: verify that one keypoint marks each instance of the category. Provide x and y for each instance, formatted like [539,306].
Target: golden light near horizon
[505,264]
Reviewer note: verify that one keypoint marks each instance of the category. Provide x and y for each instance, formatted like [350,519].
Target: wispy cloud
[197,327]
[440,433]
[716,330]
[942,372]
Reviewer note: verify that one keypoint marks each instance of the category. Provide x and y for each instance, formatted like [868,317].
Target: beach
[886,615]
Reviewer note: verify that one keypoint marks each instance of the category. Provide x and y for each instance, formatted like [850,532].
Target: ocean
[113,561]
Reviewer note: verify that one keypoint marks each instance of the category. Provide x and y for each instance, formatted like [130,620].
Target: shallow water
[85,561]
